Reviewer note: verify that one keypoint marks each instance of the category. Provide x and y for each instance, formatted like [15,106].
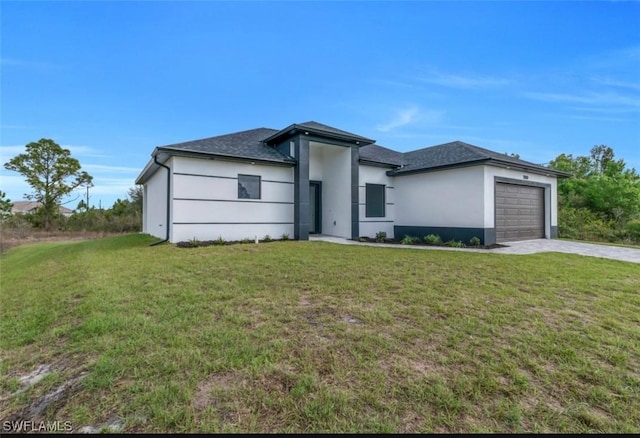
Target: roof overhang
[162,154]
[538,170]
[295,129]
[373,163]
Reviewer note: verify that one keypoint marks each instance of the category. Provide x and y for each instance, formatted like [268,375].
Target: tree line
[601,200]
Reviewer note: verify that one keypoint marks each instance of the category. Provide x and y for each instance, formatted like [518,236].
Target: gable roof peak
[318,129]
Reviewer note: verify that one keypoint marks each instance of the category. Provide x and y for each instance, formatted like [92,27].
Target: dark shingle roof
[315,126]
[317,129]
[442,155]
[245,144]
[382,155]
[457,153]
[252,145]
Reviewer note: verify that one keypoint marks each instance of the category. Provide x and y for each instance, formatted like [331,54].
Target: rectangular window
[375,200]
[248,187]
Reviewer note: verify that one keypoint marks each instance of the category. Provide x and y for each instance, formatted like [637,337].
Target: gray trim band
[251,201]
[232,223]
[229,177]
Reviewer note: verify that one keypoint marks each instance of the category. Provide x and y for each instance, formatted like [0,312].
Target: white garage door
[519,212]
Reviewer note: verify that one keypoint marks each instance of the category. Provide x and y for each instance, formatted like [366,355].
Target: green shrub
[381,236]
[474,241]
[433,239]
[219,241]
[632,231]
[409,240]
[267,238]
[285,236]
[584,224]
[456,244]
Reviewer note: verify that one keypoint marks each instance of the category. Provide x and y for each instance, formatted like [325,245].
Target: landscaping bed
[429,240]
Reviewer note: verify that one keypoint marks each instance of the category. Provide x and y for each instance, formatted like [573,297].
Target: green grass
[625,245]
[317,337]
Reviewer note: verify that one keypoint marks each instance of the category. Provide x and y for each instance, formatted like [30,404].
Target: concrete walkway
[521,247]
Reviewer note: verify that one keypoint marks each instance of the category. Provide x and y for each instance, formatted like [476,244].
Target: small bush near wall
[406,240]
[381,236]
[433,239]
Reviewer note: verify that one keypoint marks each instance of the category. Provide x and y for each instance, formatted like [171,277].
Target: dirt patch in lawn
[205,392]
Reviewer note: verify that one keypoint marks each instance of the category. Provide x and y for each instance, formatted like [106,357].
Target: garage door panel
[519,212]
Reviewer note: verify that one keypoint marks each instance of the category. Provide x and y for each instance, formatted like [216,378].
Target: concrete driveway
[521,247]
[587,249]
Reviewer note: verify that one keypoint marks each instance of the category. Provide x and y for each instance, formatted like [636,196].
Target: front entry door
[315,207]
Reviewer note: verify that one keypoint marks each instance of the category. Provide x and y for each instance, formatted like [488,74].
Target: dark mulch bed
[199,243]
[422,243]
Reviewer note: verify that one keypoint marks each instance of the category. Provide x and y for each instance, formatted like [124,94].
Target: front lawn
[317,337]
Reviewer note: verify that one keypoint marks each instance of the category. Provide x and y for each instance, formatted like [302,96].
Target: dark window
[375,202]
[248,187]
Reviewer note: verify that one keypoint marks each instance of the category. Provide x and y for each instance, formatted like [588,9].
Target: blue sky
[112,80]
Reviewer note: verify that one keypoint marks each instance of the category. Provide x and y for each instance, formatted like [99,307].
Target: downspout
[155,160]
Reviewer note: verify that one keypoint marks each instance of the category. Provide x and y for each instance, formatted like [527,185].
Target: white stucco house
[312,178]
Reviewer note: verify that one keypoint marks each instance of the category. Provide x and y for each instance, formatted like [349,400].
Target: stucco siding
[155,204]
[332,165]
[336,213]
[231,232]
[206,204]
[447,198]
[369,226]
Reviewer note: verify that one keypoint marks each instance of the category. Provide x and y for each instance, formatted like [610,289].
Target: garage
[519,212]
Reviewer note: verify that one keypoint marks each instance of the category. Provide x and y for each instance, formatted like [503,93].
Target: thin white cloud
[13,62]
[465,82]
[607,110]
[85,151]
[602,119]
[116,187]
[15,127]
[612,82]
[8,152]
[591,98]
[401,118]
[14,184]
[110,169]
[410,116]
